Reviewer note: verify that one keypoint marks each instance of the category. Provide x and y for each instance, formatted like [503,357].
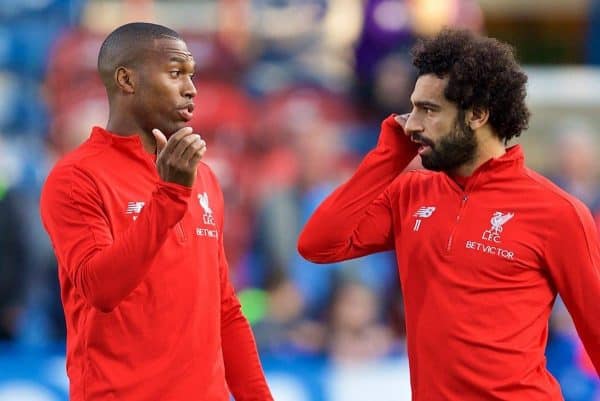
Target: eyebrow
[181,59]
[425,103]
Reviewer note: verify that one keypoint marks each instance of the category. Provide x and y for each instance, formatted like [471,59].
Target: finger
[176,138]
[192,149]
[161,140]
[401,119]
[197,156]
[184,144]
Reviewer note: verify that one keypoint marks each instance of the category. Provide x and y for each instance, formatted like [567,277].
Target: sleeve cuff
[392,135]
[172,188]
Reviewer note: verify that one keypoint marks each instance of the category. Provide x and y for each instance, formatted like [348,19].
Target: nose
[189,89]
[413,124]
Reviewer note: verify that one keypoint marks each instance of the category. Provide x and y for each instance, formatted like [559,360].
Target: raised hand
[401,120]
[177,158]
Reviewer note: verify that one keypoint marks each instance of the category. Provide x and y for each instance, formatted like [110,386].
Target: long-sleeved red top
[480,267]
[150,311]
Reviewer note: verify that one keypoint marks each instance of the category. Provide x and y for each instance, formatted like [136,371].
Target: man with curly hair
[483,244]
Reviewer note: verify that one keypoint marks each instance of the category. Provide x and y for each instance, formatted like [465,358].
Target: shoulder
[84,158]
[556,197]
[207,172]
[414,186]
[568,223]
[74,170]
[410,178]
[564,213]
[210,178]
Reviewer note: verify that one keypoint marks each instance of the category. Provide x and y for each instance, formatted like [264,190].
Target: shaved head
[147,70]
[127,46]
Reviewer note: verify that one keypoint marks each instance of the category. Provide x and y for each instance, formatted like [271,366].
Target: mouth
[186,112]
[423,149]
[424,145]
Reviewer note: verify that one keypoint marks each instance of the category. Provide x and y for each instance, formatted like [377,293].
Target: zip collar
[101,135]
[131,144]
[495,168]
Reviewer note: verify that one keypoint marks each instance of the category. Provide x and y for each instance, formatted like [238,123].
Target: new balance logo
[424,212]
[134,208]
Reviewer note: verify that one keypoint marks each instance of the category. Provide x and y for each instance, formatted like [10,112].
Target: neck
[489,146]
[126,126]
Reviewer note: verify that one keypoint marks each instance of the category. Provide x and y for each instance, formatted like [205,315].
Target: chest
[126,196]
[479,235]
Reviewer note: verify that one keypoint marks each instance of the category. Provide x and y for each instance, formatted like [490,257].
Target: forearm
[243,370]
[573,259]
[106,276]
[326,234]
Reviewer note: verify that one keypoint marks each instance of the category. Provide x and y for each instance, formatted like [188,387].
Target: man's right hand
[177,158]
[401,120]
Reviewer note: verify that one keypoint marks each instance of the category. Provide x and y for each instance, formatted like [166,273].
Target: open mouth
[423,148]
[423,143]
[186,112]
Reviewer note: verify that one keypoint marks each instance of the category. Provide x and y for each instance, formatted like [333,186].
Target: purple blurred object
[386,29]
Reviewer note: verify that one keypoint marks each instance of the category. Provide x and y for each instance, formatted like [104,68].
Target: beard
[453,150]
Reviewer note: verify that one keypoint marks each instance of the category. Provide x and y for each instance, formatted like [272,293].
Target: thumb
[161,140]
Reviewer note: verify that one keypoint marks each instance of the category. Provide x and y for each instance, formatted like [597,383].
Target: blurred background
[291,95]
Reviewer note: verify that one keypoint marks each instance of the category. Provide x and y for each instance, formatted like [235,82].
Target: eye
[175,73]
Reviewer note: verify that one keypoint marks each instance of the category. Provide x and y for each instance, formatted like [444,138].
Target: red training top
[150,311]
[480,267]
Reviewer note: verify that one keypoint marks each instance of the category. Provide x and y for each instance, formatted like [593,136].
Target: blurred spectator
[12,263]
[567,359]
[380,55]
[30,255]
[219,56]
[71,126]
[284,331]
[577,163]
[296,43]
[19,220]
[72,74]
[386,29]
[355,332]
[384,74]
[316,129]
[394,80]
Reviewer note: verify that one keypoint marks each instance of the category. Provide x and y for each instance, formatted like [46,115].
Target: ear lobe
[125,80]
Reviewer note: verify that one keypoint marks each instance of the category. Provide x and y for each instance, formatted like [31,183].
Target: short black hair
[482,73]
[125,47]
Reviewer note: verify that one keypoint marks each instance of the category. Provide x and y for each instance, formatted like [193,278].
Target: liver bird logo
[499,219]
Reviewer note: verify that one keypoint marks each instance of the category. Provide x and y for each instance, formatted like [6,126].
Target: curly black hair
[482,73]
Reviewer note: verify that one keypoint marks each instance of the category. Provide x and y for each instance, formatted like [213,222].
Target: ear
[125,79]
[477,117]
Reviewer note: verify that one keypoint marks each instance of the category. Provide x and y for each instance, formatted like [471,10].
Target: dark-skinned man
[136,222]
